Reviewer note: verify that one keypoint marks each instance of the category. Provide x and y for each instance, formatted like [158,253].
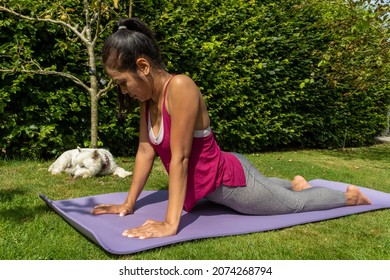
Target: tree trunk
[94,97]
[130,8]
[94,119]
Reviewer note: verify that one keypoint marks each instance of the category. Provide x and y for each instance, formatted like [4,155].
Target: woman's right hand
[121,209]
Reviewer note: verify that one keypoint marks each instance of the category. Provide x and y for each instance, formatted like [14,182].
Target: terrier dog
[86,163]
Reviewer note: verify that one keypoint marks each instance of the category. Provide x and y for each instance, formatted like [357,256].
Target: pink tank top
[208,166]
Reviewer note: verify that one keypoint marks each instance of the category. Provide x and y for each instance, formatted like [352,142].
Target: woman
[174,123]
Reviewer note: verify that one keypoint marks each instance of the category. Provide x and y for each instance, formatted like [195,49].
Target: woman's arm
[143,161]
[143,165]
[183,105]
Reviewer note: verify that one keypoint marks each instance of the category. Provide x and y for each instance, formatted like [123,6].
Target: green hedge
[42,116]
[282,74]
[275,74]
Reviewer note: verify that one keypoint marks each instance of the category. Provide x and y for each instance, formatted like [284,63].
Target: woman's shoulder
[182,82]
[182,79]
[182,91]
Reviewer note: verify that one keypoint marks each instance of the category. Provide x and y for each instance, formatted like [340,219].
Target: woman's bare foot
[299,184]
[354,196]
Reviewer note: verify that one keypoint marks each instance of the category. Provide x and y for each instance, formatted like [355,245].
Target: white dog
[85,163]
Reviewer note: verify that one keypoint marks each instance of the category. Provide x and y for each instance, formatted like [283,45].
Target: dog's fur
[86,163]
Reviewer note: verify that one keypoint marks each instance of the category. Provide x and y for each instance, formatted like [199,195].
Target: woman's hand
[121,209]
[151,229]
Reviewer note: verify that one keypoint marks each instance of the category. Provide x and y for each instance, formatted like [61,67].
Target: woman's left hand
[151,229]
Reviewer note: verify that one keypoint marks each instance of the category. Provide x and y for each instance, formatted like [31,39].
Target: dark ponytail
[131,40]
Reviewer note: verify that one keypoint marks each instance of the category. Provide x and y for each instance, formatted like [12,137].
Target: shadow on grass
[21,214]
[14,212]
[10,194]
[379,152]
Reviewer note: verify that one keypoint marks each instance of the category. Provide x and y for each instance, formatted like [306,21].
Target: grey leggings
[271,196]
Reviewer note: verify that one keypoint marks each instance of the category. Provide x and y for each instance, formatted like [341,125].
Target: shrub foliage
[275,74]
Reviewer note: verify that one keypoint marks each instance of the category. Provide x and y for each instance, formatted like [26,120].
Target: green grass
[29,230]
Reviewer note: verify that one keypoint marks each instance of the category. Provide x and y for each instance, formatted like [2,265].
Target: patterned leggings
[271,196]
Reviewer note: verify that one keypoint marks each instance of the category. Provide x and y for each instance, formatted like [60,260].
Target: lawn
[29,230]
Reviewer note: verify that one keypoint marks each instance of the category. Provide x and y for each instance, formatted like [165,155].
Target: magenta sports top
[208,166]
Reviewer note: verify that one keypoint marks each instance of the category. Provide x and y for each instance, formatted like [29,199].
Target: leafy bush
[280,74]
[42,116]
[275,74]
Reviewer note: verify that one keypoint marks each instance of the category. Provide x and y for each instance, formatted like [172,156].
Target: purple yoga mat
[204,221]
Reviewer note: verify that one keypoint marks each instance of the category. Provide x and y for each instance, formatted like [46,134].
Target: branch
[87,27]
[105,89]
[97,18]
[60,22]
[45,72]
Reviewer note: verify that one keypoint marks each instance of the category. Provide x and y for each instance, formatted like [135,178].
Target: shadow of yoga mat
[204,221]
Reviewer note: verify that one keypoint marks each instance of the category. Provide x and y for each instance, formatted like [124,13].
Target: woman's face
[135,85]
